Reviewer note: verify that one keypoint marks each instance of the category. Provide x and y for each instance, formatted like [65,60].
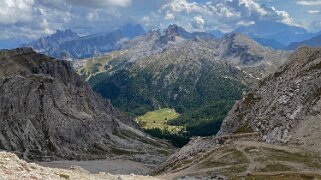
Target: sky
[31,19]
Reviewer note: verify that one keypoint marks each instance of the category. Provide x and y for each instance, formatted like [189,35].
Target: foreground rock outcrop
[283,103]
[49,112]
[11,167]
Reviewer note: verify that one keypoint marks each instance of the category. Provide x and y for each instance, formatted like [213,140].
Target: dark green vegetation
[205,120]
[177,139]
[143,92]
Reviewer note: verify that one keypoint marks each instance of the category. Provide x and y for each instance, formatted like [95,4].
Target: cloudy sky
[34,18]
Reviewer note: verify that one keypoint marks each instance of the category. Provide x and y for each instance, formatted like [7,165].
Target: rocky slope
[49,112]
[273,132]
[293,99]
[11,167]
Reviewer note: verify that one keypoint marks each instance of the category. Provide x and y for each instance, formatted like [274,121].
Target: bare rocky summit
[49,112]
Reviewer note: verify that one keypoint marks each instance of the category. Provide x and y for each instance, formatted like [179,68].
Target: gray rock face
[282,101]
[48,111]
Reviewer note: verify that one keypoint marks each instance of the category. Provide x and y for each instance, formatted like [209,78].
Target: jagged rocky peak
[285,107]
[61,34]
[172,30]
[170,35]
[175,33]
[49,112]
[43,44]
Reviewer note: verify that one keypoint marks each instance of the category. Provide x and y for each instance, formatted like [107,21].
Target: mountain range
[280,32]
[69,45]
[256,109]
[276,35]
[177,69]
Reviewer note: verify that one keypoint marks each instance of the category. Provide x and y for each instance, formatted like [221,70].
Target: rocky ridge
[49,112]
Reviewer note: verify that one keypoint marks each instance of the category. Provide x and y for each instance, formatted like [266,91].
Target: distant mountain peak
[170,34]
[43,44]
[66,32]
[131,30]
[283,33]
[172,30]
[63,35]
[235,35]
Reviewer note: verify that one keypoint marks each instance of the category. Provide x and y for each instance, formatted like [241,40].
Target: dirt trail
[254,166]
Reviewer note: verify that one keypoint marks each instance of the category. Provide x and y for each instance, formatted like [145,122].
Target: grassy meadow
[158,119]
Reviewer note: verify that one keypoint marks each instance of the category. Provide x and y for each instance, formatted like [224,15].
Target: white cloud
[101,3]
[313,11]
[309,3]
[245,23]
[15,11]
[284,17]
[225,15]
[198,23]
[34,18]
